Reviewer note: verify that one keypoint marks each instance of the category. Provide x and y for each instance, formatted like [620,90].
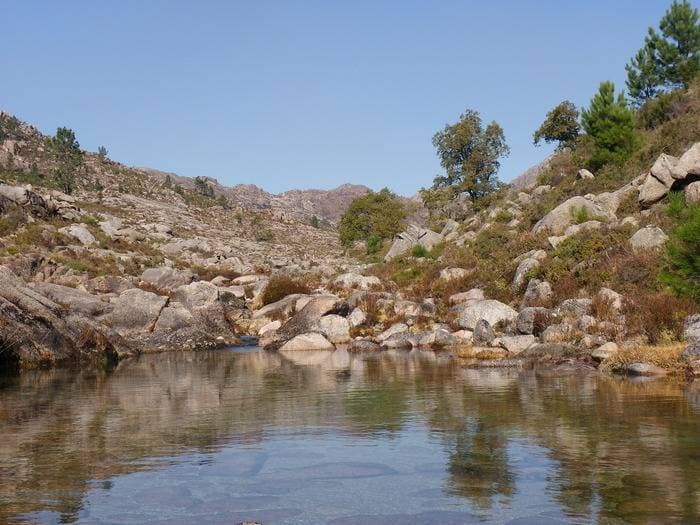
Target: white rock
[649,238]
[308,341]
[80,232]
[335,328]
[491,310]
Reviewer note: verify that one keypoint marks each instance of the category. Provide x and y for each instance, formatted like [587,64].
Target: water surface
[328,437]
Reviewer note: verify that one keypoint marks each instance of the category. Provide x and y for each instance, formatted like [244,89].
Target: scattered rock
[165,280]
[357,317]
[335,327]
[452,274]
[483,333]
[563,216]
[605,351]
[468,297]
[515,344]
[645,369]
[350,281]
[307,341]
[491,310]
[584,174]
[80,232]
[649,238]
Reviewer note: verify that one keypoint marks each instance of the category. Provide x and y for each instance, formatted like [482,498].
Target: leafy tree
[67,156]
[683,253]
[470,155]
[201,186]
[670,59]
[380,214]
[610,124]
[561,125]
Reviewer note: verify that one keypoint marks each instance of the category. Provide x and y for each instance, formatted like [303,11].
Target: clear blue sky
[307,94]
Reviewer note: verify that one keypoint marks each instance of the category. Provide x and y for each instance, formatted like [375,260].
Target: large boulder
[560,218]
[414,235]
[307,341]
[495,312]
[692,337]
[37,331]
[649,238]
[283,308]
[336,328]
[79,232]
[306,319]
[688,164]
[164,280]
[652,190]
[135,310]
[77,301]
[526,265]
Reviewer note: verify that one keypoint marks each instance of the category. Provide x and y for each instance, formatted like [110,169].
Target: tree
[102,152]
[683,254]
[668,60]
[561,125]
[67,157]
[470,156]
[643,75]
[678,46]
[201,186]
[380,214]
[610,124]
[314,222]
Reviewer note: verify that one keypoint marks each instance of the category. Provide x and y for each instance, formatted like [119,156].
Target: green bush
[380,214]
[419,251]
[682,272]
[280,286]
[374,244]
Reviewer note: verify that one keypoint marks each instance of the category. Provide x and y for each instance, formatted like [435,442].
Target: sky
[307,94]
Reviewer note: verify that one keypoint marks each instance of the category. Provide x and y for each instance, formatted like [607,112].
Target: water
[314,437]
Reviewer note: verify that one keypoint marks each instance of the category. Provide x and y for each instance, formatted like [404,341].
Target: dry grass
[667,357]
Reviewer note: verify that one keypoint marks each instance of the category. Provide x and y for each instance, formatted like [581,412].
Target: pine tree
[678,46]
[610,123]
[683,255]
[668,60]
[643,76]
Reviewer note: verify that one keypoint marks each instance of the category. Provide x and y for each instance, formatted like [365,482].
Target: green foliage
[580,215]
[419,251]
[9,127]
[380,214]
[675,204]
[67,156]
[561,126]
[265,235]
[374,244]
[664,107]
[201,186]
[610,124]
[669,59]
[102,152]
[682,273]
[280,286]
[314,222]
[470,155]
[222,201]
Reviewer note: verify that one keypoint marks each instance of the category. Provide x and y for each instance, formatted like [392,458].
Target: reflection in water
[314,437]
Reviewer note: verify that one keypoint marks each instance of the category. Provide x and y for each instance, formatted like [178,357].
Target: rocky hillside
[298,205]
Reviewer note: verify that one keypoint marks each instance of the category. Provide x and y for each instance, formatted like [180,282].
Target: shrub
[659,317]
[374,244]
[380,214]
[280,286]
[419,251]
[580,215]
[682,272]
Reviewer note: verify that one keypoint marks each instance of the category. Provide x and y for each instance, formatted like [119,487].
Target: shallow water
[328,437]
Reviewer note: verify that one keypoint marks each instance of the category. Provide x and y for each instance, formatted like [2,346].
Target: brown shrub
[667,356]
[659,317]
[280,286]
